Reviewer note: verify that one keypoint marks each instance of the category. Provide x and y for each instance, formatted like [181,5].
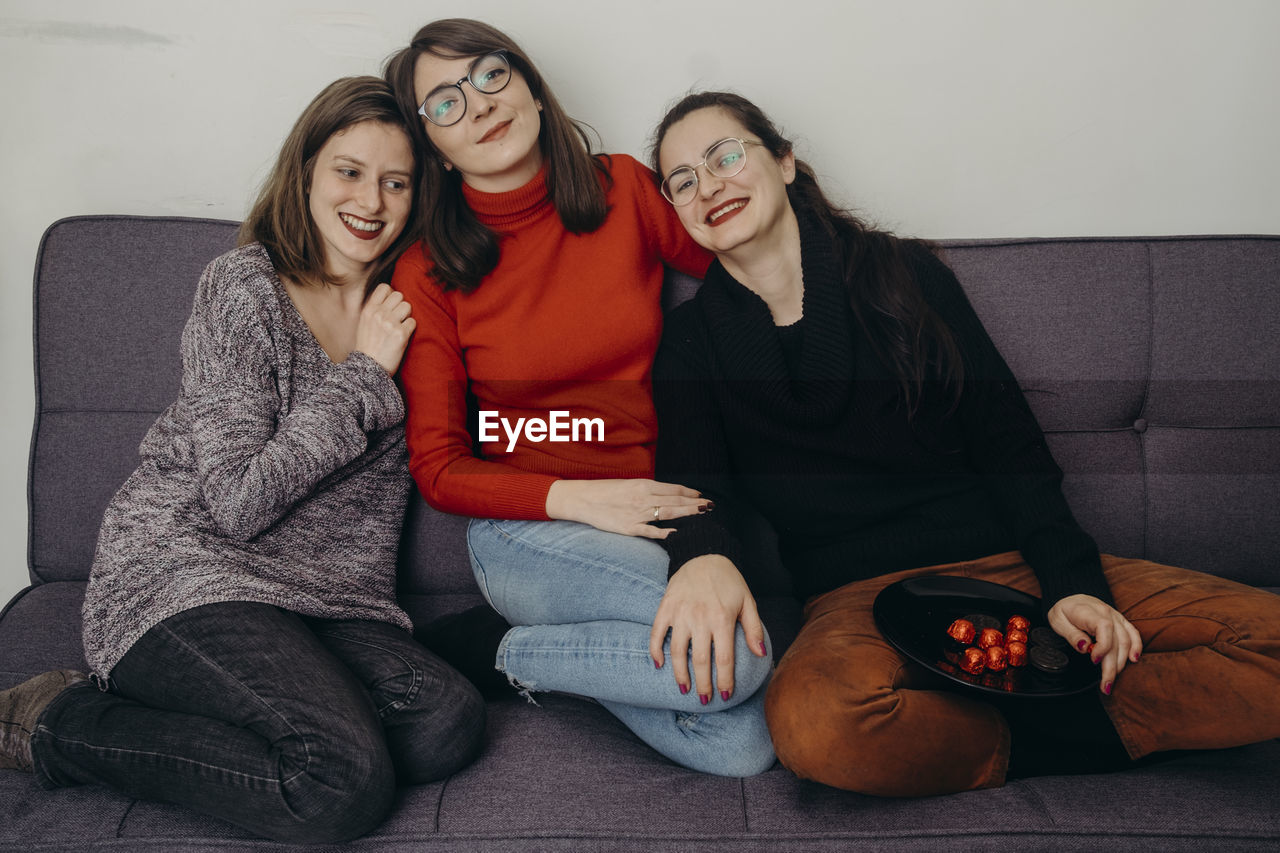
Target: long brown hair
[281,217]
[461,250]
[905,333]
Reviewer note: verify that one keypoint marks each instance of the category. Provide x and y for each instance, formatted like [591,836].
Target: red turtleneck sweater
[564,323]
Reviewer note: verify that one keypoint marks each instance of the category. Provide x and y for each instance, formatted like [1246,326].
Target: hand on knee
[711,619]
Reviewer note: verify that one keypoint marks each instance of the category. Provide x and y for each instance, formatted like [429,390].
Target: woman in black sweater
[836,378]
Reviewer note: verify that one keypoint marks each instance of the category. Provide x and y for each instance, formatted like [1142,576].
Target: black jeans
[296,729]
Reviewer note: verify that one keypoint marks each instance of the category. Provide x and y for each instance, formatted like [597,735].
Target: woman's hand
[384,328]
[704,601]
[1096,628]
[623,506]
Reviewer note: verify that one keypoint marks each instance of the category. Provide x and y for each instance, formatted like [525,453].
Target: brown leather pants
[847,710]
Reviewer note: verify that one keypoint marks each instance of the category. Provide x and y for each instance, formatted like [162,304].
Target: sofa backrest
[112,294]
[1154,366]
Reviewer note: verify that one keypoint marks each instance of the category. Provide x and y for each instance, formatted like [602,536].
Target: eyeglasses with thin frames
[446,105]
[723,159]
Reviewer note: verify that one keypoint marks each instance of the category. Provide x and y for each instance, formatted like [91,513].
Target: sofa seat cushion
[565,775]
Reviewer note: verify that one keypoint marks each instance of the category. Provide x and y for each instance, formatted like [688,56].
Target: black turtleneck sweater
[806,424]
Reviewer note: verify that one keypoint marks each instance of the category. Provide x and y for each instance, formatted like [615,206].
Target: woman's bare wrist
[560,499]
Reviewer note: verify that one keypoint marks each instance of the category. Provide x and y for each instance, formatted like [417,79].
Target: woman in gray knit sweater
[249,659]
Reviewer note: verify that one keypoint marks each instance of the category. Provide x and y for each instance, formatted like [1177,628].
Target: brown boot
[21,707]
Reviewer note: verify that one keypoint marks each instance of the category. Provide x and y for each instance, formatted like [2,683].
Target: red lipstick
[357,232]
[496,132]
[723,212]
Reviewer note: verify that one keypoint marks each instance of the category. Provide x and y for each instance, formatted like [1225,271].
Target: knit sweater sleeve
[662,226]
[253,460]
[692,447]
[434,377]
[1006,445]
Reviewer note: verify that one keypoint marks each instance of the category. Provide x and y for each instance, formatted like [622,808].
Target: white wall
[940,118]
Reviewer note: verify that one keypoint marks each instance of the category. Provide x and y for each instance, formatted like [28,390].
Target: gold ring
[655,513]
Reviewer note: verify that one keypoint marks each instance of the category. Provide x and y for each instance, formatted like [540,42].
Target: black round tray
[914,614]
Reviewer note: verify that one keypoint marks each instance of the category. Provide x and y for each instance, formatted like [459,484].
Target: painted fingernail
[684,688]
[1095,660]
[702,509]
[1080,645]
[656,665]
[704,697]
[711,504]
[763,650]
[724,695]
[1137,657]
[1106,688]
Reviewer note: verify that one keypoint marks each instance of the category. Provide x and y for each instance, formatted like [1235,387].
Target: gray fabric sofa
[1153,364]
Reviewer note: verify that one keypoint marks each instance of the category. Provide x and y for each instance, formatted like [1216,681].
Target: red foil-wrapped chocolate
[974,661]
[997,658]
[1017,653]
[990,637]
[962,631]
[1018,623]
[1015,635]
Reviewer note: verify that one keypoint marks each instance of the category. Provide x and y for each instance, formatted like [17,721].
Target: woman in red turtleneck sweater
[537,294]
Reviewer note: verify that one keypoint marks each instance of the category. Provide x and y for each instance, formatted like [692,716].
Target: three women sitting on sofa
[832,376]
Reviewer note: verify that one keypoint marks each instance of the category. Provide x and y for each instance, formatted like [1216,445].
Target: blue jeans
[296,729]
[583,602]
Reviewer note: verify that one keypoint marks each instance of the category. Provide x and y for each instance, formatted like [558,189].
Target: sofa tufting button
[1140,425]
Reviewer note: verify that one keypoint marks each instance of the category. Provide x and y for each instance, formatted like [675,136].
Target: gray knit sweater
[277,477]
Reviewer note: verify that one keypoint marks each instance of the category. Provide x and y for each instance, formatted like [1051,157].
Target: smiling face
[727,213]
[495,144]
[360,197]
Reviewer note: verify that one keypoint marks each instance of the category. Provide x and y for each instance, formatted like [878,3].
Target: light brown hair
[281,217]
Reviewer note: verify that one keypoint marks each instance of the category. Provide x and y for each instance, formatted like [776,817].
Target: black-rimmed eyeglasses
[446,105]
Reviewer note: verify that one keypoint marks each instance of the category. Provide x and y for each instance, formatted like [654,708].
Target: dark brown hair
[907,335]
[281,217]
[461,250]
